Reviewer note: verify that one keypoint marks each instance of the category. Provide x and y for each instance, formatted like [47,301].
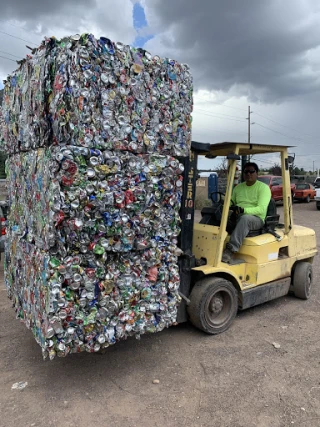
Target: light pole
[244,158]
[291,158]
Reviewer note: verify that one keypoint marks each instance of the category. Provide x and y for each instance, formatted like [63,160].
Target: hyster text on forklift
[270,263]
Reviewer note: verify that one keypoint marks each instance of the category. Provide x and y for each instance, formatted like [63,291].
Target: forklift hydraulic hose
[184,298]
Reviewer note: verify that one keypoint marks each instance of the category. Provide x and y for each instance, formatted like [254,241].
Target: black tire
[307,199]
[302,280]
[213,305]
[318,206]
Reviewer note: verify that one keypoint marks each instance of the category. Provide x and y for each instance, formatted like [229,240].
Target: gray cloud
[262,52]
[34,20]
[34,9]
[260,45]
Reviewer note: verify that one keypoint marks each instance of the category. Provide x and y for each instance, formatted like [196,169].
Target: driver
[251,199]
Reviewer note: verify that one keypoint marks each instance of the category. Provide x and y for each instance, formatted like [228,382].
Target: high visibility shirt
[254,199]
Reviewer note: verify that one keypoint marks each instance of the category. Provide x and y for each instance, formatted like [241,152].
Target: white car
[317,182]
[317,198]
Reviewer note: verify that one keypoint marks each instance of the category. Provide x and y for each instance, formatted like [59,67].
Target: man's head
[250,173]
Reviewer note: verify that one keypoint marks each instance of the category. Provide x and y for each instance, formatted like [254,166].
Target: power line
[4,57]
[20,28]
[218,103]
[38,34]
[308,155]
[272,130]
[213,131]
[220,114]
[221,130]
[19,38]
[261,115]
[262,161]
[278,123]
[10,54]
[222,118]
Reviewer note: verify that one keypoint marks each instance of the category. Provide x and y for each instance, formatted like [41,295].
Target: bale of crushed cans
[94,131]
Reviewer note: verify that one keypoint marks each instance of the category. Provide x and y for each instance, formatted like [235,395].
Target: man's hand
[237,209]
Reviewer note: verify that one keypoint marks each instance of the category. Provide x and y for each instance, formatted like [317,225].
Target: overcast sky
[262,53]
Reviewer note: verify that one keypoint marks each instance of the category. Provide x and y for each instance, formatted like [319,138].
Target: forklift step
[235,261]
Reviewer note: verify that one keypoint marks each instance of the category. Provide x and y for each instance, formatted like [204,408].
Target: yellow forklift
[270,263]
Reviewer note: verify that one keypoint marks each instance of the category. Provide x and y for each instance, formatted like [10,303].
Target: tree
[222,169]
[276,169]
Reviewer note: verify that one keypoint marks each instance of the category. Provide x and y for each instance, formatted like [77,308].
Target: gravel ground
[235,379]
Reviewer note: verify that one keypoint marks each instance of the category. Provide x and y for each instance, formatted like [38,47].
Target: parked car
[304,192]
[317,182]
[275,184]
[317,198]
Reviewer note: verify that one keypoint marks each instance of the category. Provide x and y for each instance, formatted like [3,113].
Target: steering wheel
[217,205]
[218,208]
[220,200]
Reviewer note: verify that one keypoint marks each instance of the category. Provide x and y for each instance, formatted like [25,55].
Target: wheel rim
[218,308]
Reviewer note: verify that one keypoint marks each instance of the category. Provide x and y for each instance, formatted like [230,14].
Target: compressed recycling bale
[98,94]
[94,131]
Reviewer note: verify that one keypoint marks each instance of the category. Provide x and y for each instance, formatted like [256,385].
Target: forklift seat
[270,223]
[211,215]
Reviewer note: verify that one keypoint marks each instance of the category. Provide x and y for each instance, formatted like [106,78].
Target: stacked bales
[94,131]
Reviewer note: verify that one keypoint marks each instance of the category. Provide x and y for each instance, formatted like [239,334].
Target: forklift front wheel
[302,280]
[213,305]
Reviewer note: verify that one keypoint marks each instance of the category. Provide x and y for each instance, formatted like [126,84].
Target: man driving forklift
[270,262]
[250,203]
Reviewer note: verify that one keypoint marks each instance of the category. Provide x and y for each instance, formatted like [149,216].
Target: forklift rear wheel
[302,279]
[213,305]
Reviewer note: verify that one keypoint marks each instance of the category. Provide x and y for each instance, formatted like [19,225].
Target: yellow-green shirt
[254,199]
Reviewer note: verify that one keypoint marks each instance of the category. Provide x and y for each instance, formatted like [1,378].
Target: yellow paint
[257,268]
[265,258]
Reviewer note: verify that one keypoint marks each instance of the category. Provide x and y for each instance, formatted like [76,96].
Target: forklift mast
[187,259]
[190,176]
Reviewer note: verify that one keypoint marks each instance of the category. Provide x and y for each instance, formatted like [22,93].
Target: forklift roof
[226,148]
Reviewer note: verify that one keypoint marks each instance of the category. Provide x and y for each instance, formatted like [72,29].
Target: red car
[275,184]
[304,192]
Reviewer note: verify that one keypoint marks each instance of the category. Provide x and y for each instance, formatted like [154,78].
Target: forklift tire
[302,280]
[213,305]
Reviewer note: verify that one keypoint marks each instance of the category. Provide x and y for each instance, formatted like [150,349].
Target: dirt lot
[235,379]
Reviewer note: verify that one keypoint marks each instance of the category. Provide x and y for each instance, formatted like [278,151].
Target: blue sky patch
[139,23]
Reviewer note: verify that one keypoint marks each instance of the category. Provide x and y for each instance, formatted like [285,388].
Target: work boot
[227,255]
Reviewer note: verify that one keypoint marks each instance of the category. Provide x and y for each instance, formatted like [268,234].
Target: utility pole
[248,118]
[244,158]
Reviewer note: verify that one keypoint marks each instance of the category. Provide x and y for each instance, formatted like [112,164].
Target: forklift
[271,262]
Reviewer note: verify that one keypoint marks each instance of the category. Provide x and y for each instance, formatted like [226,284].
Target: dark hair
[254,165]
